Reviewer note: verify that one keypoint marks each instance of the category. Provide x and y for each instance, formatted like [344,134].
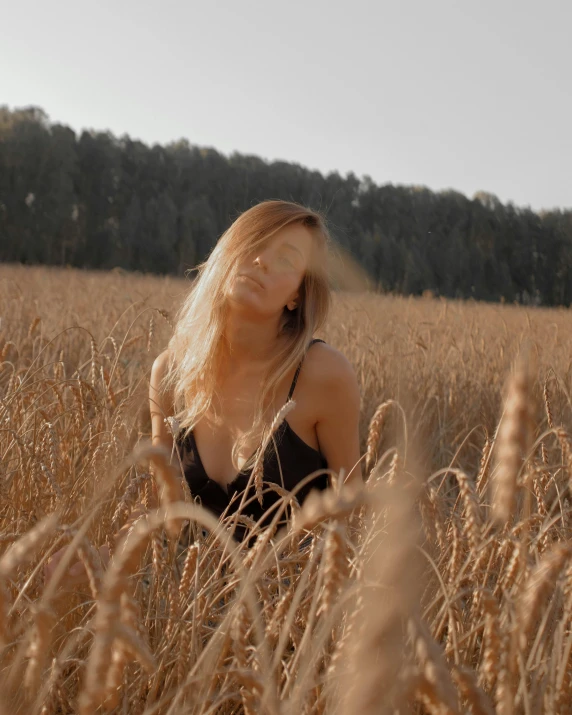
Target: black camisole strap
[295,380]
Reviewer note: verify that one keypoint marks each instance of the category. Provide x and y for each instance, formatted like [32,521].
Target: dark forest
[97,201]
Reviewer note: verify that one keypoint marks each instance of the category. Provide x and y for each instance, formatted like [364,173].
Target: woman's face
[268,279]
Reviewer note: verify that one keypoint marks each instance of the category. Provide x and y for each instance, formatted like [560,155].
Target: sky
[448,94]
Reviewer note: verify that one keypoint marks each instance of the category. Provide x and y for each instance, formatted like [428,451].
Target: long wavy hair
[196,348]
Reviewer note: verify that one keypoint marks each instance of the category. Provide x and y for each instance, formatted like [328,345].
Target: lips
[252,278]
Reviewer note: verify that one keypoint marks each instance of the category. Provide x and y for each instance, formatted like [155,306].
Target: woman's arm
[160,405]
[338,425]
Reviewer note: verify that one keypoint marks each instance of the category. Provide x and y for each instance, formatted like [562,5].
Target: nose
[261,261]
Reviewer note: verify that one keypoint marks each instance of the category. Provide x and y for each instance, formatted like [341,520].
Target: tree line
[97,201]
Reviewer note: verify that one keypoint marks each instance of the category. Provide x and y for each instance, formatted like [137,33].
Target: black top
[291,461]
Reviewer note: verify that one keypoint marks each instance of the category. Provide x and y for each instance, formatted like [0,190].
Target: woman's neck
[251,342]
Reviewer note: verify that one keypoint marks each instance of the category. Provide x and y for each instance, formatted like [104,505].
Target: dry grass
[444,586]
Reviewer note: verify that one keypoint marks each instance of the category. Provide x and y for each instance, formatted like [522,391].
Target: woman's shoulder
[333,387]
[159,370]
[327,365]
[161,363]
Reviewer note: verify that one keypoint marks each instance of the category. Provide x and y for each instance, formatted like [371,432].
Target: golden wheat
[402,596]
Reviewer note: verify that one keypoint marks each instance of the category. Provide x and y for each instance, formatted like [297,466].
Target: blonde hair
[196,346]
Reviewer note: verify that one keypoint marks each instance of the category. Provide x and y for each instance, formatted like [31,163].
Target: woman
[242,344]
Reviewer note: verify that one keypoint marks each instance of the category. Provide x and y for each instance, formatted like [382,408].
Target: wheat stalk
[512,443]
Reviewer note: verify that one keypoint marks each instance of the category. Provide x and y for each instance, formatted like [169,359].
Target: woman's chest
[217,432]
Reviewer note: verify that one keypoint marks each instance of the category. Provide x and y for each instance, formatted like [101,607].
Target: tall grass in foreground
[443,586]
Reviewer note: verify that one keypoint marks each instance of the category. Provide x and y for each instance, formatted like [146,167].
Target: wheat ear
[257,470]
[512,443]
[374,433]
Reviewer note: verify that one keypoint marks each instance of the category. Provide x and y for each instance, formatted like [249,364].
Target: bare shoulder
[160,364]
[158,372]
[328,366]
[332,381]
[332,385]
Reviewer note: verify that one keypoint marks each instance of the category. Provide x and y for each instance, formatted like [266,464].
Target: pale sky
[466,94]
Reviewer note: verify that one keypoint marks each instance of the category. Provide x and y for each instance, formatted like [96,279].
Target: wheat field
[444,585]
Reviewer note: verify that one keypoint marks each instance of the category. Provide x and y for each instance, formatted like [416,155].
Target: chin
[242,299]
